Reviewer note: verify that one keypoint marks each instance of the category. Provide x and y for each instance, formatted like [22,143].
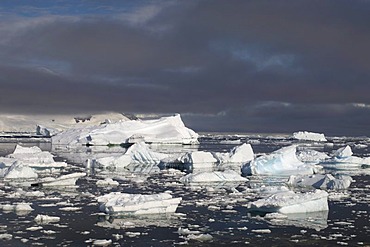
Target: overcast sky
[243,66]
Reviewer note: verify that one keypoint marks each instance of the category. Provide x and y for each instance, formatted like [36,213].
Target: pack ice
[290,202]
[343,159]
[309,136]
[138,204]
[280,162]
[169,130]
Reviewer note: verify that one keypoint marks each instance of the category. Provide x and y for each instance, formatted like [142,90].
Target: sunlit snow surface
[209,214]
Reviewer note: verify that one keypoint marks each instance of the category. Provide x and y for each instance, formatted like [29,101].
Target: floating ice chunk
[198,157]
[107,182]
[6,236]
[309,136]
[217,176]
[200,237]
[19,171]
[19,207]
[281,162]
[164,130]
[68,180]
[137,204]
[321,181]
[102,242]
[138,153]
[290,202]
[46,219]
[343,159]
[239,154]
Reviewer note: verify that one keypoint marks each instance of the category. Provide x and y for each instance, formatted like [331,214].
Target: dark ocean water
[217,211]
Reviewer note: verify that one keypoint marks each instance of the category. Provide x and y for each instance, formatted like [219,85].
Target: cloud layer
[251,66]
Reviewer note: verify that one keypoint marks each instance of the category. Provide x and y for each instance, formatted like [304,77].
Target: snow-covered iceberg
[34,157]
[291,202]
[280,162]
[138,204]
[136,155]
[168,130]
[343,159]
[321,181]
[309,136]
[211,177]
[18,170]
[311,156]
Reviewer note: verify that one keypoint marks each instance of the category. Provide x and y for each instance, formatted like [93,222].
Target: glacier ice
[280,162]
[138,204]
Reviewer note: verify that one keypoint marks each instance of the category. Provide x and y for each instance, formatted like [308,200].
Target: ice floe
[291,202]
[309,136]
[311,156]
[138,204]
[211,177]
[18,170]
[169,130]
[321,181]
[46,219]
[280,162]
[68,180]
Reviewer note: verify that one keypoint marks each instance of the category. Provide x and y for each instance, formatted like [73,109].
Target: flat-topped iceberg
[290,202]
[211,177]
[34,157]
[137,154]
[309,136]
[280,162]
[166,130]
[321,181]
[138,204]
[343,159]
[68,180]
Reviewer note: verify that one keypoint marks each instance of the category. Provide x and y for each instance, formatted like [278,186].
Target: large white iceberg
[281,162]
[309,136]
[343,159]
[321,181]
[138,153]
[210,177]
[33,157]
[138,204]
[18,171]
[291,202]
[169,130]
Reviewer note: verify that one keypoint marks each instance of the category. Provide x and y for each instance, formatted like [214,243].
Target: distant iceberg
[321,181]
[309,136]
[138,204]
[291,202]
[280,162]
[166,130]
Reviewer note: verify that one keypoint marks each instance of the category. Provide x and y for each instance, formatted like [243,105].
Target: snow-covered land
[321,181]
[138,153]
[280,162]
[343,159]
[291,202]
[166,130]
[31,156]
[138,204]
[51,124]
[309,136]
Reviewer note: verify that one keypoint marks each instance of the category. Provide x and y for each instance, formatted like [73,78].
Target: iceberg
[309,136]
[290,202]
[166,130]
[34,157]
[238,154]
[280,162]
[138,204]
[343,159]
[18,170]
[311,156]
[211,177]
[321,181]
[138,153]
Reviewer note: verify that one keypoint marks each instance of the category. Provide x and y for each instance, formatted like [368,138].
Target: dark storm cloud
[230,65]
